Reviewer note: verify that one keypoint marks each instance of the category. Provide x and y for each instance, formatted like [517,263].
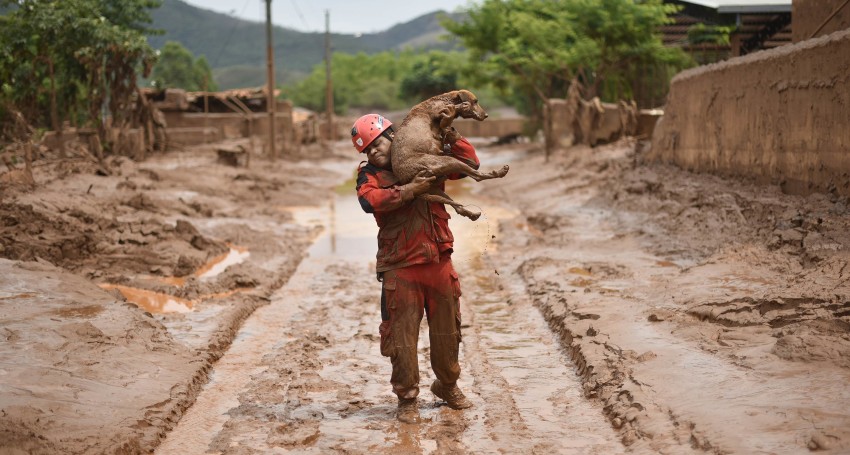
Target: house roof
[745,6]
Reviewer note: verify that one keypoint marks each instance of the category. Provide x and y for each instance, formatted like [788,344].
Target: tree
[384,81]
[368,81]
[534,48]
[431,74]
[177,67]
[73,59]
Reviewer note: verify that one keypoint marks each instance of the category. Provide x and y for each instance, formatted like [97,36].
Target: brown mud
[609,307]
[702,312]
[305,375]
[196,246]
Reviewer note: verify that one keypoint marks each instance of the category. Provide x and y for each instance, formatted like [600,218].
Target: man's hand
[450,135]
[421,183]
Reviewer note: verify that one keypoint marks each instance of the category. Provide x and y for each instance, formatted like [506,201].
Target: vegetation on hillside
[236,48]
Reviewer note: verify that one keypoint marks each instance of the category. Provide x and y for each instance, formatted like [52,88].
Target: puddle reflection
[348,232]
[220,263]
[158,302]
[153,302]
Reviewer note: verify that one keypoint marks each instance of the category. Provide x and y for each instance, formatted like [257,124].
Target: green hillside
[236,49]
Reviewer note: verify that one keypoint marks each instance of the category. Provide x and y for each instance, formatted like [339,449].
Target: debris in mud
[233,156]
[821,441]
[808,344]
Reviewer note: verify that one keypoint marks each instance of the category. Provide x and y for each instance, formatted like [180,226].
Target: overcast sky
[347,16]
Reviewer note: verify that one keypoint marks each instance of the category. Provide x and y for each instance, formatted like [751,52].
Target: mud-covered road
[609,306]
[305,373]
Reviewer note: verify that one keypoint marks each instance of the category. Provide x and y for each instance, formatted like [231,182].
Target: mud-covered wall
[781,116]
[489,128]
[192,128]
[809,15]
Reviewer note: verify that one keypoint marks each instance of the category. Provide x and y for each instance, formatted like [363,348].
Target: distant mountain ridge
[236,48]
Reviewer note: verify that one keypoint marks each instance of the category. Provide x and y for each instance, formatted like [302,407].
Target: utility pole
[270,102]
[329,92]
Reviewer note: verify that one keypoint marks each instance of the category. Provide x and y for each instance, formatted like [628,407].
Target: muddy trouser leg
[442,304]
[401,313]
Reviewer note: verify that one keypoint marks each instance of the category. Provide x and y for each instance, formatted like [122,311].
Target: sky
[347,16]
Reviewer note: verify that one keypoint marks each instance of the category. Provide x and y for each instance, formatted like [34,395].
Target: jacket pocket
[388,244]
[441,227]
[456,286]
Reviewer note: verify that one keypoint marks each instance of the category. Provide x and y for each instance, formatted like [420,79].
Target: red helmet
[366,129]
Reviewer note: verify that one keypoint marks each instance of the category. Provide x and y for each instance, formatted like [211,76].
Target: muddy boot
[408,411]
[451,394]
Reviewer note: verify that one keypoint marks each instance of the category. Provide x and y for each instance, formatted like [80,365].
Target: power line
[230,35]
[298,12]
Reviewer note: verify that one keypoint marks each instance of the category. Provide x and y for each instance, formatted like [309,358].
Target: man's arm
[373,198]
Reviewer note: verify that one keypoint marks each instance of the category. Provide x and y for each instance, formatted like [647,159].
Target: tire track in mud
[519,367]
[305,375]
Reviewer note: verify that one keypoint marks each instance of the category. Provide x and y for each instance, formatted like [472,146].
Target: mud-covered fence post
[557,125]
[547,130]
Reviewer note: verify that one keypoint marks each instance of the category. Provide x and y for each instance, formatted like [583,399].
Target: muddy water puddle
[220,263]
[347,232]
[154,302]
[158,302]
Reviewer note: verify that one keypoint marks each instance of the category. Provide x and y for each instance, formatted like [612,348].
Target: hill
[236,49]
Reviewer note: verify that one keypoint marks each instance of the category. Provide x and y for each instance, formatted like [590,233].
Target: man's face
[378,152]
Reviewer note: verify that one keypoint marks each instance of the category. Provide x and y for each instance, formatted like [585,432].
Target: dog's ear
[453,97]
[465,96]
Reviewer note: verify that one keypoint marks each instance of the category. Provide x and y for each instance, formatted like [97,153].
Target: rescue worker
[414,264]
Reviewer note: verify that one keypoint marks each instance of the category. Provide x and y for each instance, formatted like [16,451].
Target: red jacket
[410,231]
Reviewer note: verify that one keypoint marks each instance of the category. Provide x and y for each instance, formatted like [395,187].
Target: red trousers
[432,289]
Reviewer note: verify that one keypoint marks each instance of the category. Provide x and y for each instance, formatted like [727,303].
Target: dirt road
[305,374]
[609,307]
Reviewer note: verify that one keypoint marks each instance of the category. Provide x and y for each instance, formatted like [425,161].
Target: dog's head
[467,105]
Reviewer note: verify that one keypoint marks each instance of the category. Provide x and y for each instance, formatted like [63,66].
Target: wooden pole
[329,93]
[829,18]
[206,108]
[270,79]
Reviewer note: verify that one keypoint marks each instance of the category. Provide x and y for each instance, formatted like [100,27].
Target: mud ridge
[776,313]
[187,393]
[606,376]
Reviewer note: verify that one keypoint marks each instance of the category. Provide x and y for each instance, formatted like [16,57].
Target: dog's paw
[471,214]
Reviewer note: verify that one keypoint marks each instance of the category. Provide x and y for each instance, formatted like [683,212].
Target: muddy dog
[418,145]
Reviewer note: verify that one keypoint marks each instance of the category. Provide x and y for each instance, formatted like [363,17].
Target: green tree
[700,33]
[532,49]
[73,59]
[384,81]
[178,68]
[203,74]
[431,74]
[362,80]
